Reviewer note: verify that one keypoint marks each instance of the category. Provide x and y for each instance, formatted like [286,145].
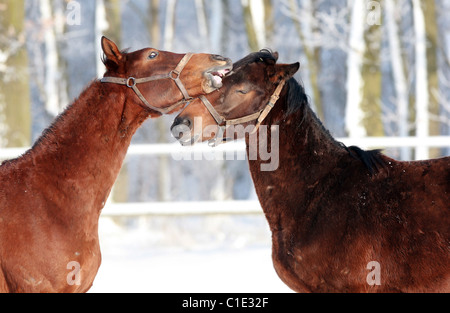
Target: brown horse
[51,197]
[342,219]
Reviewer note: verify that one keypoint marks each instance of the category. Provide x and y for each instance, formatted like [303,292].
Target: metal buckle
[171,74]
[131,79]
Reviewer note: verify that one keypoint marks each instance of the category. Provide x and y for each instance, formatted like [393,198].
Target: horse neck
[79,157]
[306,154]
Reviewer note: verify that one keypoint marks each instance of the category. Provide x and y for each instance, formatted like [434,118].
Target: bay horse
[342,219]
[51,196]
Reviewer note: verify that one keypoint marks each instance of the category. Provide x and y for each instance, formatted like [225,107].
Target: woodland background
[370,68]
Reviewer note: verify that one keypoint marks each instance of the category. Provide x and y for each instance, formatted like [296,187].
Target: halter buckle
[133,80]
[174,74]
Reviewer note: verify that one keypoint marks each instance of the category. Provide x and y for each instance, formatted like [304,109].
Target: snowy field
[186,254]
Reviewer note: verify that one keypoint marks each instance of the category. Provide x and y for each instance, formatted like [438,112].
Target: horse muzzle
[181,130]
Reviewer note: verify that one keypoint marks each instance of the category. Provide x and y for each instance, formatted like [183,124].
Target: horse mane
[297,99]
[372,159]
[264,55]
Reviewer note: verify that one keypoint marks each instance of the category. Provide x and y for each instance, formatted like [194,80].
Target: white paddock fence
[238,149]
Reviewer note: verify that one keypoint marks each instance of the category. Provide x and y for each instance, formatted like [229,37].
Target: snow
[148,255]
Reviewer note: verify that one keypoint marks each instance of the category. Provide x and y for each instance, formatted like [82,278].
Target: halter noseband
[222,122]
[131,82]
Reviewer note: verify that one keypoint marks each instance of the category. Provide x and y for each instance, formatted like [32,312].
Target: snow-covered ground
[186,254]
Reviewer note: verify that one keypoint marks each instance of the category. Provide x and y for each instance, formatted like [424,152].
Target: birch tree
[153,26]
[370,72]
[398,70]
[443,94]
[169,26]
[254,17]
[354,114]
[111,21]
[249,27]
[421,81]
[216,25]
[107,23]
[303,26]
[52,103]
[14,90]
[257,8]
[202,22]
[432,37]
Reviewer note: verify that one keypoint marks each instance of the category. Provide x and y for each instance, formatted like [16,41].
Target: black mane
[297,99]
[265,55]
[372,159]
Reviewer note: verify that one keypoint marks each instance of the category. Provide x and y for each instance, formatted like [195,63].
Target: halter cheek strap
[222,122]
[131,82]
[273,99]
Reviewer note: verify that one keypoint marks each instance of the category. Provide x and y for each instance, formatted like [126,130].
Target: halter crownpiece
[222,122]
[131,82]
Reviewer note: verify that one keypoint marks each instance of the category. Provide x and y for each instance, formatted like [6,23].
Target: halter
[222,122]
[131,82]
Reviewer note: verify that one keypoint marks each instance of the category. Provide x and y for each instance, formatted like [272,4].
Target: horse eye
[153,55]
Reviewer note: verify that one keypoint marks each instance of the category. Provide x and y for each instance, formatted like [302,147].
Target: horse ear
[285,71]
[275,55]
[112,53]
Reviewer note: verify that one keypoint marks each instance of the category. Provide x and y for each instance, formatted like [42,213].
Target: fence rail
[239,146]
[175,208]
[232,206]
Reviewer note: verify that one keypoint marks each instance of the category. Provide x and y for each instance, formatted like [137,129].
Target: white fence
[233,207]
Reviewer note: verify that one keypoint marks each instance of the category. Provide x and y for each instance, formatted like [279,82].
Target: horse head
[255,82]
[163,80]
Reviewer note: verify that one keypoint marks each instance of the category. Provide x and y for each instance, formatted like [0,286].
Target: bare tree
[14,91]
[400,81]
[421,90]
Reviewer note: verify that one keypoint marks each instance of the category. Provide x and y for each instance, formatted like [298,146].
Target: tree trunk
[14,89]
[114,21]
[432,38]
[311,53]
[202,23]
[354,114]
[371,76]
[216,23]
[251,31]
[398,70]
[169,27]
[154,28]
[421,79]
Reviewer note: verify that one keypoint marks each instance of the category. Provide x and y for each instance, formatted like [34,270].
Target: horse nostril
[180,126]
[182,121]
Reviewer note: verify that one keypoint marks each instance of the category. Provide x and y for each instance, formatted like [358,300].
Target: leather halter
[222,122]
[131,82]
